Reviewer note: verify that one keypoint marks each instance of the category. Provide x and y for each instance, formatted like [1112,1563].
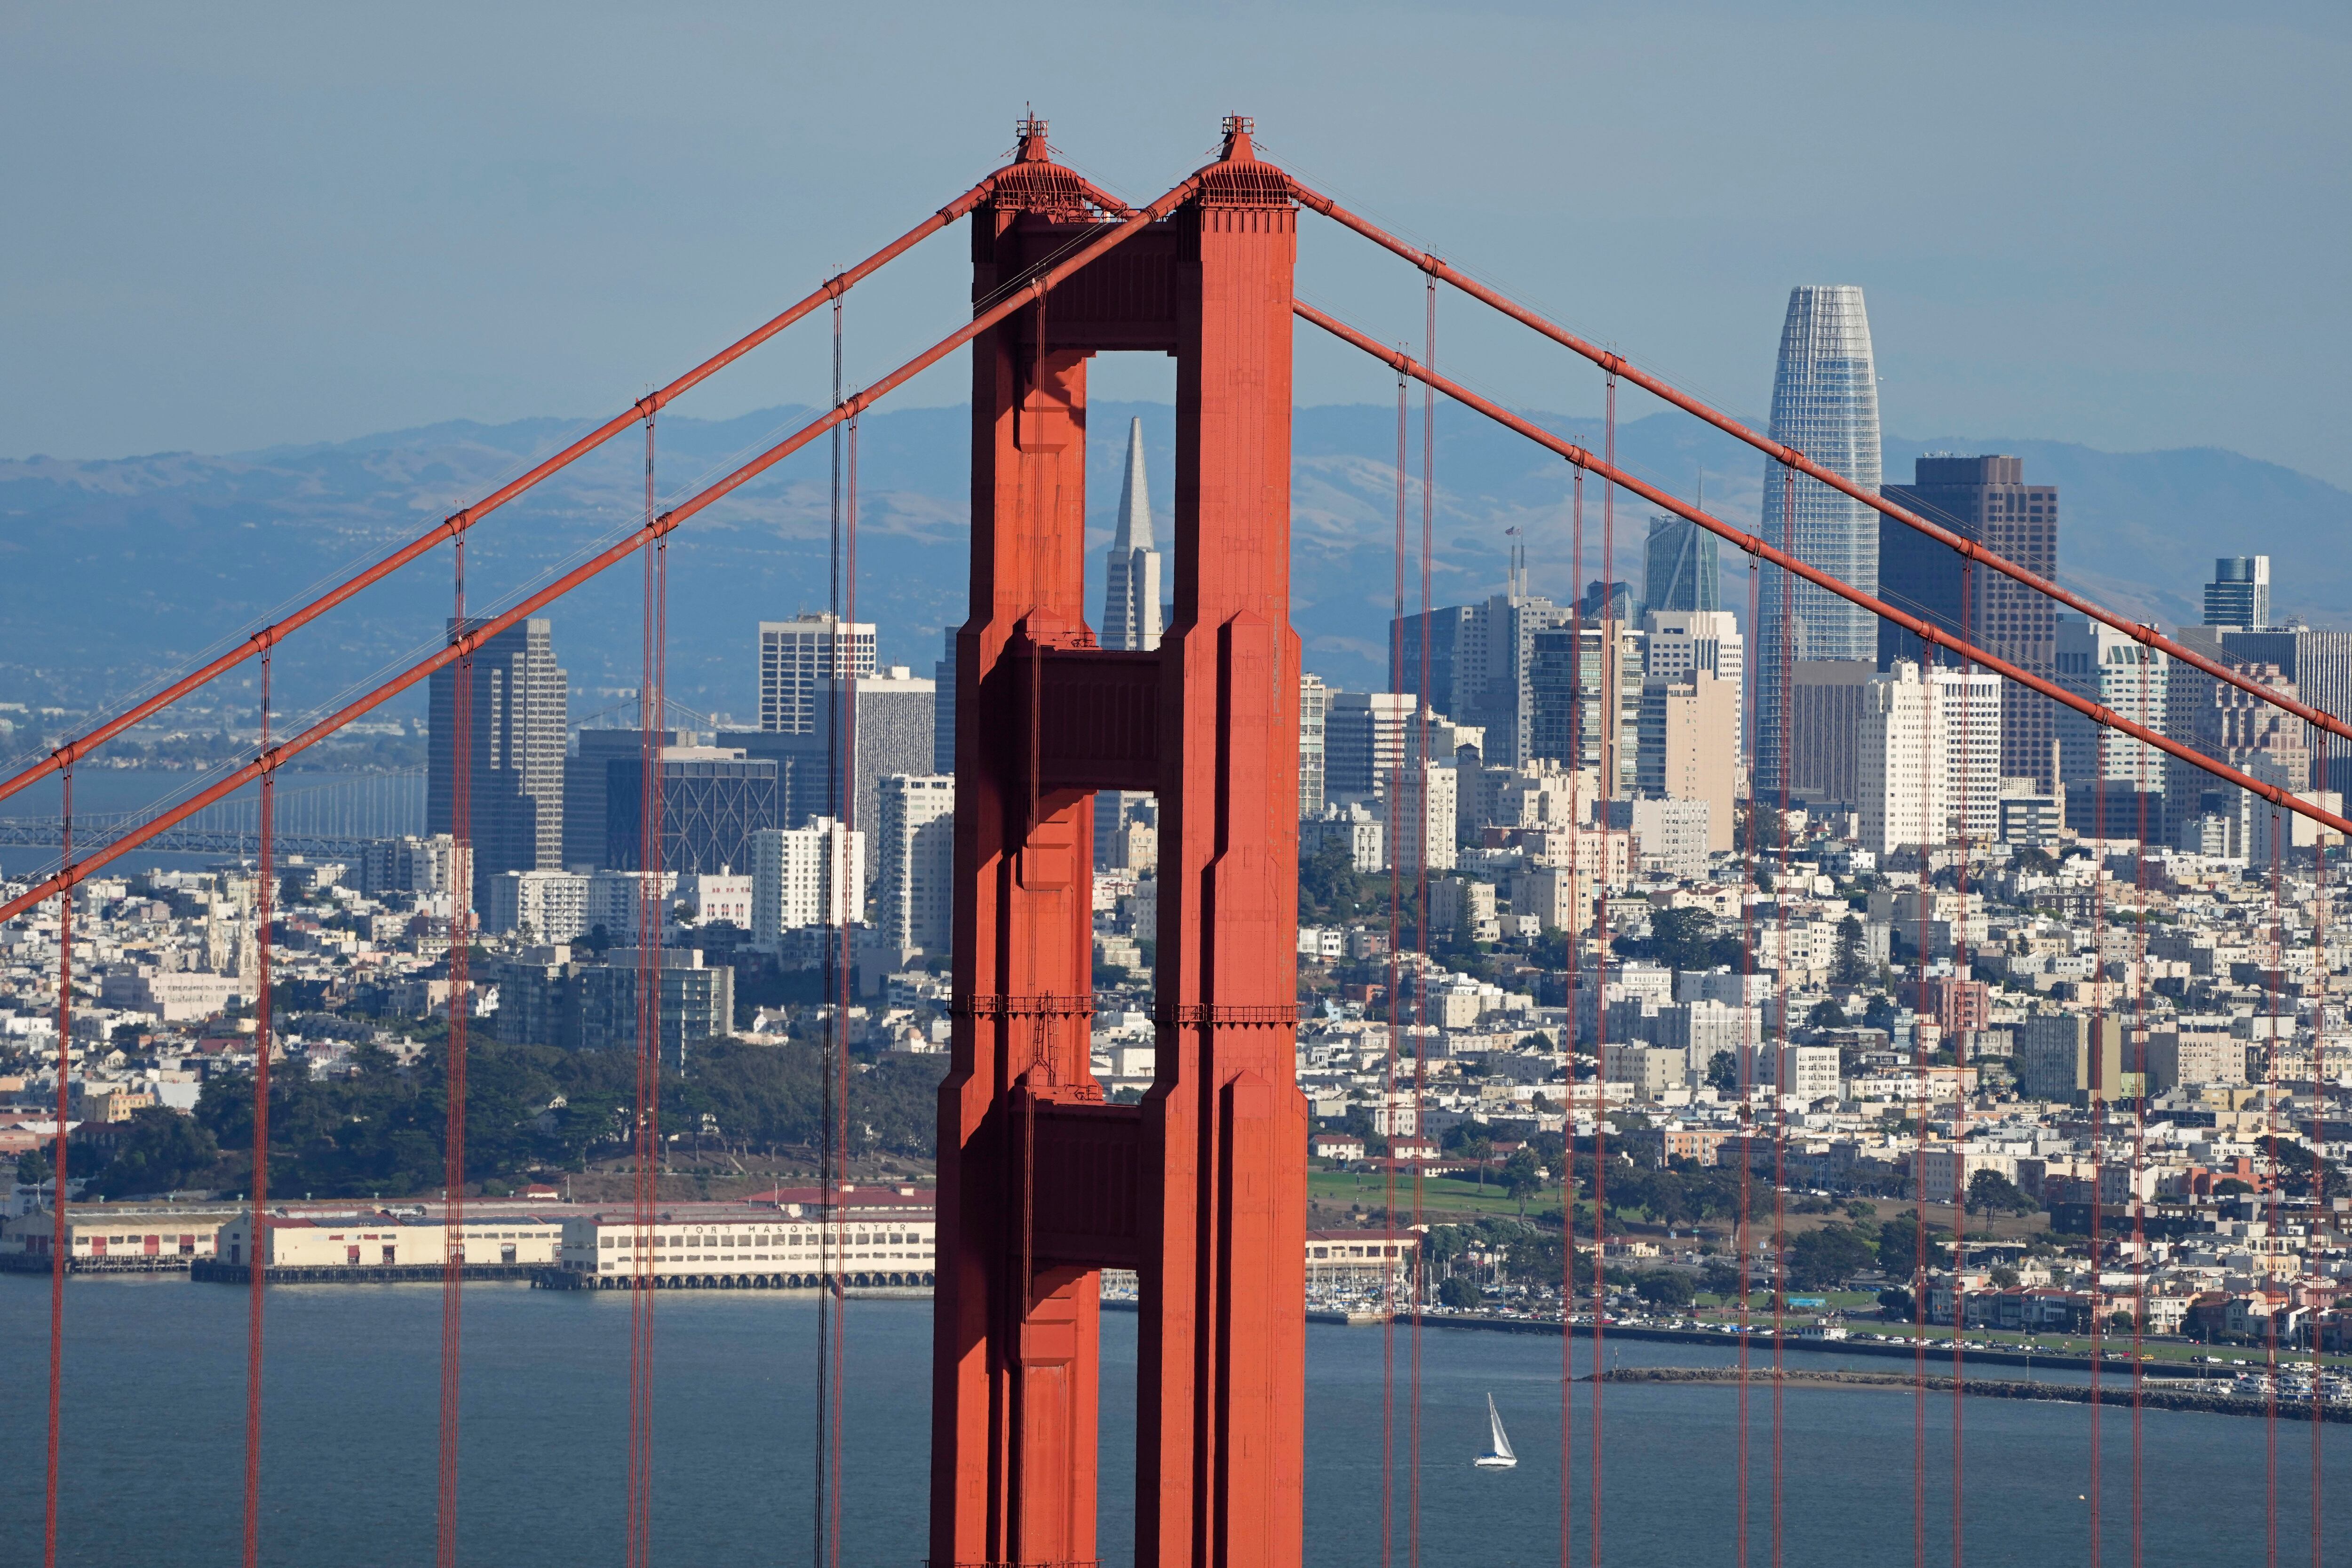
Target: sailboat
[1501,1456]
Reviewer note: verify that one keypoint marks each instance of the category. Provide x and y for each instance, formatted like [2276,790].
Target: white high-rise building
[798,658]
[617,902]
[1927,758]
[1682,642]
[805,876]
[1131,589]
[914,841]
[1824,404]
[1314,702]
[1967,704]
[552,906]
[1419,838]
[2110,668]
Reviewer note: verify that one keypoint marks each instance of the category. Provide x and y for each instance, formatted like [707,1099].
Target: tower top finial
[1032,130]
[1238,138]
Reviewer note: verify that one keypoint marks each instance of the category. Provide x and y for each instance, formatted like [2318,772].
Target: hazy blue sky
[231,227]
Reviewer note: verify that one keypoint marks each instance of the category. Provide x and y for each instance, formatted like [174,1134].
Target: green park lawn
[1439,1195]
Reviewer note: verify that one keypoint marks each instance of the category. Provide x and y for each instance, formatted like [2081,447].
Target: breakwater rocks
[2214,1400]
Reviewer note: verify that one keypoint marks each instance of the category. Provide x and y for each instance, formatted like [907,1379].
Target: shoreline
[2206,1401]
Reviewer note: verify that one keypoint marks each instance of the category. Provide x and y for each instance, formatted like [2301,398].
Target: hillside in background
[118,573]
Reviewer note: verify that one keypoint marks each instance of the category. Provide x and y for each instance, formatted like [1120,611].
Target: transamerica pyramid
[1131,617]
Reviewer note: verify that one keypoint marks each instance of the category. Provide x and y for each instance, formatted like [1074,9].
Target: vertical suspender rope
[60,1240]
[1952,1015]
[1578,845]
[2276,973]
[1929,752]
[846,896]
[1396,1019]
[829,669]
[1612,710]
[1421,866]
[452,1207]
[2318,1123]
[1745,1077]
[651,703]
[1781,1054]
[2099,1089]
[257,1279]
[2140,1257]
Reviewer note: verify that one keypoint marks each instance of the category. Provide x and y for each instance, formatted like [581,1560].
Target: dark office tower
[2240,594]
[943,678]
[1562,678]
[1457,654]
[1824,404]
[1616,604]
[2320,665]
[714,798]
[516,728]
[583,789]
[1679,567]
[1987,500]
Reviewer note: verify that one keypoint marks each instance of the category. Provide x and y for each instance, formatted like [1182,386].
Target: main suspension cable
[456,523]
[1966,548]
[603,560]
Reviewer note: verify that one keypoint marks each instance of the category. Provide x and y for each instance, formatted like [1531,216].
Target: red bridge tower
[1200,1188]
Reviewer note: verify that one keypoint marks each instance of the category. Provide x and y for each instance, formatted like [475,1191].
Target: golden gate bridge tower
[1200,1188]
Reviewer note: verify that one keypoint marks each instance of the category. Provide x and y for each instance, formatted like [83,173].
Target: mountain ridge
[124,570]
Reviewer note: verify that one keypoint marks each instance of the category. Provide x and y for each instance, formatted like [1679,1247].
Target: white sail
[1501,1456]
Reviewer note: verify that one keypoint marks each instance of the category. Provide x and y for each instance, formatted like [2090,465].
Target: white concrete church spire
[1131,589]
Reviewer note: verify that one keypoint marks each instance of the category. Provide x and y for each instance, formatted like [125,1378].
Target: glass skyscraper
[1824,404]
[1679,569]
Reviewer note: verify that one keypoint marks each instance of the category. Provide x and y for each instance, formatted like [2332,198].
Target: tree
[2004,1278]
[1522,1178]
[1683,938]
[1329,887]
[1990,1191]
[1820,1259]
[1458,1293]
[1899,1247]
[1723,1073]
[161,1150]
[33,1167]
[1848,966]
[1895,1304]
[1664,1288]
[1827,1014]
[1880,1012]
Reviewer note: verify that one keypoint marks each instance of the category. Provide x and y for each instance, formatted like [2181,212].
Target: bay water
[153,1443]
